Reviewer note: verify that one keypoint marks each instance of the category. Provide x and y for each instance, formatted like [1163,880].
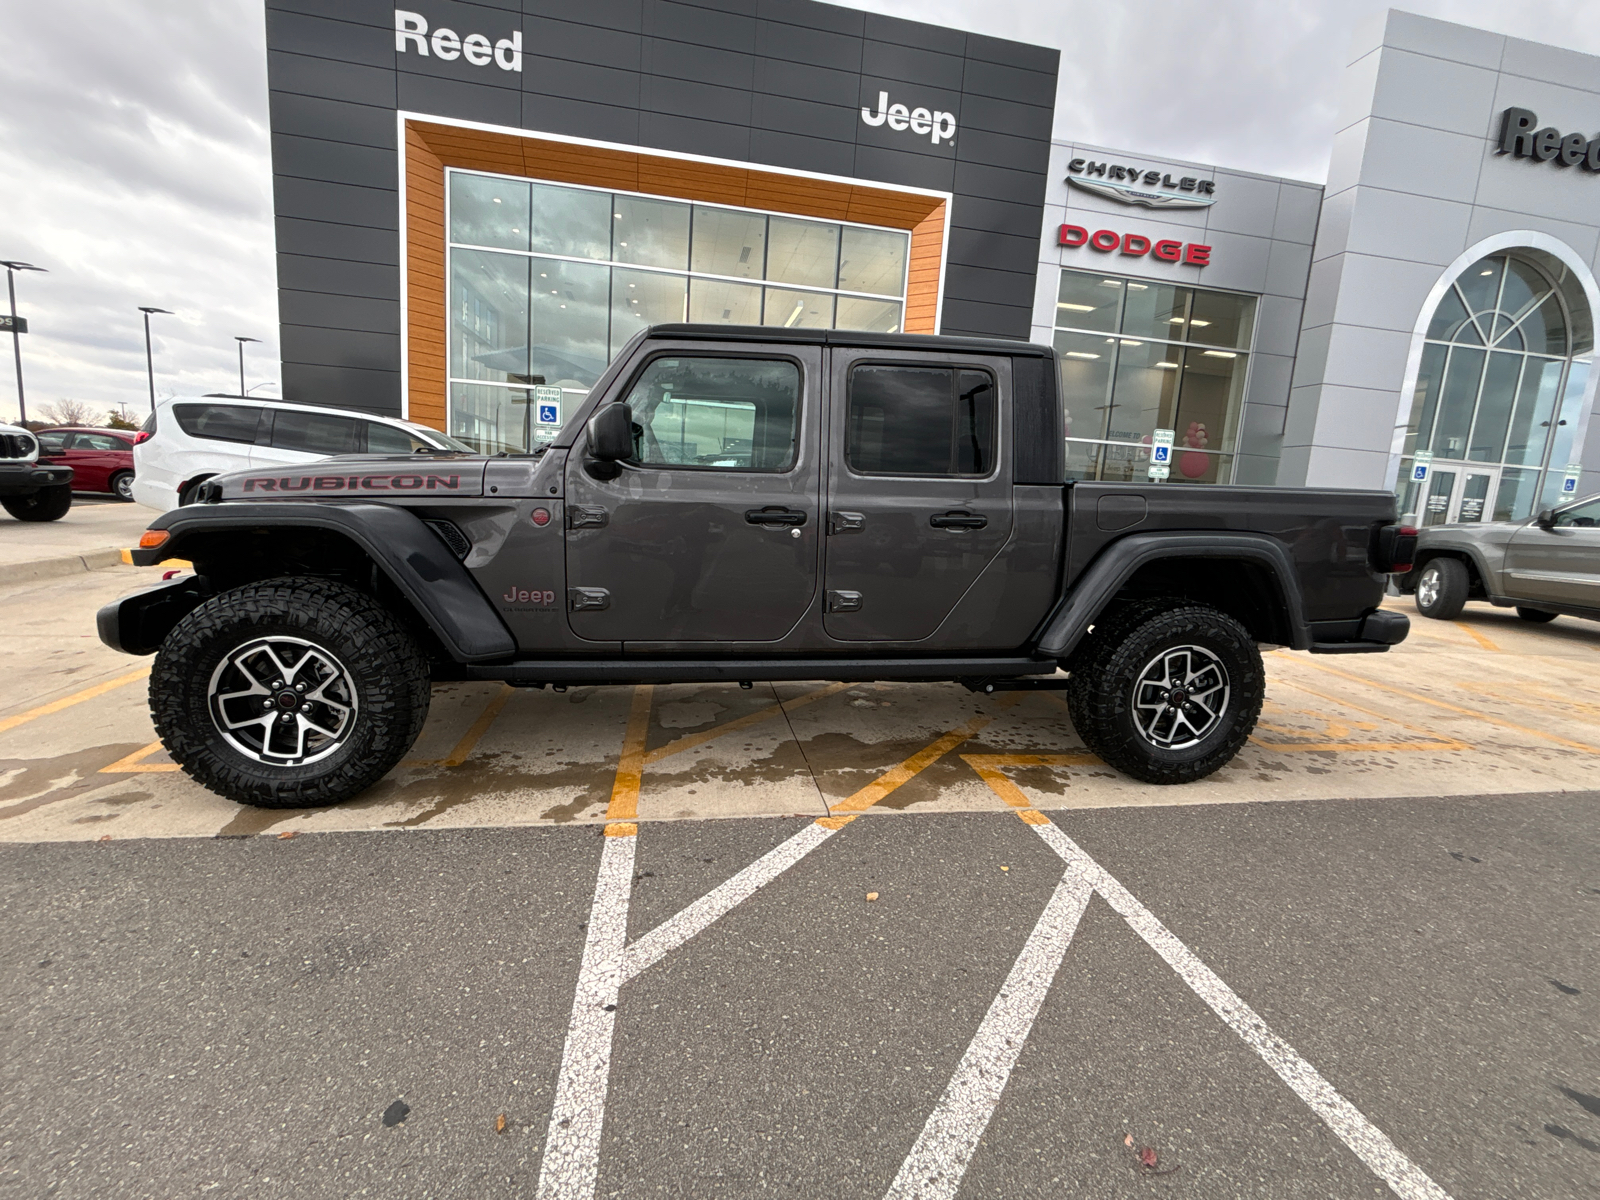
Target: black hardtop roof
[848,337]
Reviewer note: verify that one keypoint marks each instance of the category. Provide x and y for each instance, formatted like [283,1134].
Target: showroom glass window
[549,281]
[1499,396]
[1137,356]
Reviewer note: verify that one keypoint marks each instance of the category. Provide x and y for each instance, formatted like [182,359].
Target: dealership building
[478,205]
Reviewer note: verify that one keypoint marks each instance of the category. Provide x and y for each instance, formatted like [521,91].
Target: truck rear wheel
[289,694]
[1167,692]
[47,504]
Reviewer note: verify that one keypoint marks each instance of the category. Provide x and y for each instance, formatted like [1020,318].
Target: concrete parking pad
[1487,704]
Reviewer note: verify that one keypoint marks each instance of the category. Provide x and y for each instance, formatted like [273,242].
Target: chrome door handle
[958,520]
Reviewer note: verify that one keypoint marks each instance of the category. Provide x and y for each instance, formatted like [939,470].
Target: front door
[919,489]
[1477,490]
[1560,565]
[710,533]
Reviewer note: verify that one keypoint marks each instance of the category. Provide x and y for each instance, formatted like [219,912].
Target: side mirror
[610,437]
[1546,519]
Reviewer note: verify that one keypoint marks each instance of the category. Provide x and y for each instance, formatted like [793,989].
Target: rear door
[95,457]
[1559,565]
[919,488]
[710,533]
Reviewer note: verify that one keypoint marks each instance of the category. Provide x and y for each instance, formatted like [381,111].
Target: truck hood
[371,477]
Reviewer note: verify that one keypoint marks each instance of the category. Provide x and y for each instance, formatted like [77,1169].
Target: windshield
[444,441]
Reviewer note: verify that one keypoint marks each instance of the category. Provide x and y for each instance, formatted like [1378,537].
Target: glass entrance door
[1473,503]
[1441,491]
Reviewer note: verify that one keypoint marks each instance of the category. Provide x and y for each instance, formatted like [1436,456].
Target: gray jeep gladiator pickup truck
[744,504]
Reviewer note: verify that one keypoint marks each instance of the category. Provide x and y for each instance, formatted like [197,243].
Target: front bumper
[24,479]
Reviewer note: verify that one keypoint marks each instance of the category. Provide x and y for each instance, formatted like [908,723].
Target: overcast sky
[134,140]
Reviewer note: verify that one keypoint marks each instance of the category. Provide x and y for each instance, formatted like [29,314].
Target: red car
[101,459]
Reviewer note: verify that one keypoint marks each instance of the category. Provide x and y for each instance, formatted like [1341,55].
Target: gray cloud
[134,135]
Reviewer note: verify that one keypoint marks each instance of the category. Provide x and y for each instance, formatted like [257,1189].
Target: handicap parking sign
[547,405]
[1569,481]
[1420,466]
[1161,448]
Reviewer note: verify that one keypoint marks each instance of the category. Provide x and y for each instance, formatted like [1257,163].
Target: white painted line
[572,1146]
[683,925]
[934,1168]
[1370,1144]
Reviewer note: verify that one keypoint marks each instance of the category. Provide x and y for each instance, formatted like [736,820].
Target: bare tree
[70,412]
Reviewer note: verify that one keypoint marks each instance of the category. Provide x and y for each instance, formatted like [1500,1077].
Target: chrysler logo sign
[1134,185]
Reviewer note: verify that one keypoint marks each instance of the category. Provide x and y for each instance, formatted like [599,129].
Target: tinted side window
[387,439]
[730,414]
[314,433]
[920,421]
[52,443]
[97,441]
[1580,516]
[219,422]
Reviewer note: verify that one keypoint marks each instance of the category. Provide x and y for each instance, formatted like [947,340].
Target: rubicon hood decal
[1129,193]
[309,482]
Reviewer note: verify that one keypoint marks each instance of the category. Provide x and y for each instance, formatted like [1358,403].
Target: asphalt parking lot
[635,925]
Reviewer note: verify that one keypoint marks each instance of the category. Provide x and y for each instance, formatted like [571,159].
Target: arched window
[1499,393]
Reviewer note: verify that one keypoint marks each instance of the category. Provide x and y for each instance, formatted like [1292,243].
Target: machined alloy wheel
[1166,690]
[122,485]
[289,693]
[1428,587]
[1180,697]
[283,701]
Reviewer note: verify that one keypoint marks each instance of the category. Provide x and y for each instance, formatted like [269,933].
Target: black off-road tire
[1537,615]
[121,486]
[1105,679]
[1442,587]
[47,504]
[388,673]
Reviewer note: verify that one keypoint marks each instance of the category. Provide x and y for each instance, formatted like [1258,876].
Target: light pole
[242,341]
[149,361]
[16,330]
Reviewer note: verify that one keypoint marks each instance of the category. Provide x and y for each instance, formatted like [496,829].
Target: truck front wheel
[289,693]
[1167,693]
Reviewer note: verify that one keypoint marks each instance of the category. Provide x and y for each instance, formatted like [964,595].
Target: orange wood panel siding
[431,148]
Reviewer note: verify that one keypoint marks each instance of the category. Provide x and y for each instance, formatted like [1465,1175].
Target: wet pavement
[1358,961]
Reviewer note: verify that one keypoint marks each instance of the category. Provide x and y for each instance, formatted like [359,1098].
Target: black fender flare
[1111,569]
[413,557]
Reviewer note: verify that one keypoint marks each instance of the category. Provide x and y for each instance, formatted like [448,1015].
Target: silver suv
[1544,567]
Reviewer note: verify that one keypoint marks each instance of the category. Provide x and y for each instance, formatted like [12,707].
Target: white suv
[187,440]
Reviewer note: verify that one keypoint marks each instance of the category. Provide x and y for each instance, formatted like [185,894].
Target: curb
[56,568]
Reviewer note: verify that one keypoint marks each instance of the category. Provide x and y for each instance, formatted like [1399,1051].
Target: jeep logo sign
[411,32]
[940,126]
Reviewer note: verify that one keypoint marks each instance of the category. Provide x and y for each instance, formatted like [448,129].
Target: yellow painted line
[624,806]
[134,763]
[1291,747]
[1455,708]
[469,740]
[173,564]
[908,770]
[621,829]
[690,741]
[88,693]
[1476,636]
[988,767]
